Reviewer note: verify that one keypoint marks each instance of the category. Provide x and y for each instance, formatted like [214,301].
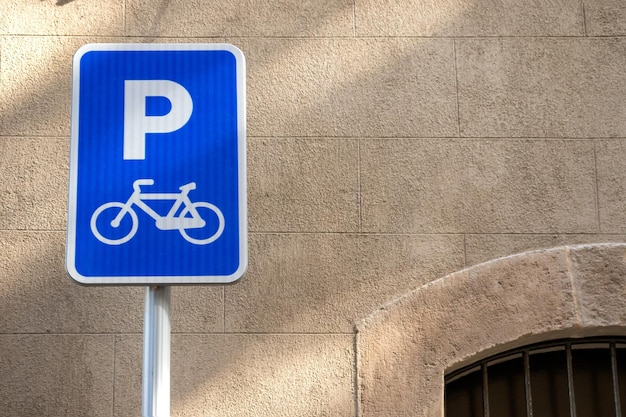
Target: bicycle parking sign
[157,165]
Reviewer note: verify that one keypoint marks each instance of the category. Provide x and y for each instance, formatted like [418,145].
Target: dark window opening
[564,378]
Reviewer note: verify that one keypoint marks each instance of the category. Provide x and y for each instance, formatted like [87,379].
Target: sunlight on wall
[412,17]
[61,18]
[350,87]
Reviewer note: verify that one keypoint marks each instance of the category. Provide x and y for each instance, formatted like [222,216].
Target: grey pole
[156,352]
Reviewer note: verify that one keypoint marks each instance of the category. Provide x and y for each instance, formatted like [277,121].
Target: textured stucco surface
[309,18]
[240,375]
[335,278]
[25,17]
[469,18]
[480,186]
[303,185]
[54,375]
[350,87]
[390,143]
[542,87]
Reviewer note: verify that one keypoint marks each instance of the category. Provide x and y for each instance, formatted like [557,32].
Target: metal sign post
[156,352]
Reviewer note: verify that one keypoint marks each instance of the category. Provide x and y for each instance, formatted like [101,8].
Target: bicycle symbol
[188,218]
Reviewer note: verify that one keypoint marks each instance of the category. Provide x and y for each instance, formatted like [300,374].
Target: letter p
[137,123]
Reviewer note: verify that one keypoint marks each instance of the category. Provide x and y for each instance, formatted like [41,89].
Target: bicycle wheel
[102,221]
[214,224]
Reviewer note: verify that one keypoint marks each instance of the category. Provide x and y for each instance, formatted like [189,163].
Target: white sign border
[242,172]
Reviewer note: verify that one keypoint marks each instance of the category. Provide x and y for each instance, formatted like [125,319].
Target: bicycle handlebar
[143,181]
[148,181]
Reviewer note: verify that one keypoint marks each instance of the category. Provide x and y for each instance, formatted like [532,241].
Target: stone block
[599,276]
[610,156]
[350,87]
[233,375]
[542,87]
[35,92]
[481,248]
[34,173]
[605,17]
[303,185]
[61,17]
[56,375]
[310,18]
[478,186]
[468,18]
[324,282]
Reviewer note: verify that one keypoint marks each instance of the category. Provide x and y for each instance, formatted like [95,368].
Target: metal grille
[564,378]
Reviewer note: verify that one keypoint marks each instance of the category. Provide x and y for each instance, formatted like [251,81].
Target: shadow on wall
[63,2]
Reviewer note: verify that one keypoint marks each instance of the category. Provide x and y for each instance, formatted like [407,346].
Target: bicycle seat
[188,187]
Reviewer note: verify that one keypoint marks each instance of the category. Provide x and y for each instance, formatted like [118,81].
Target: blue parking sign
[157,165]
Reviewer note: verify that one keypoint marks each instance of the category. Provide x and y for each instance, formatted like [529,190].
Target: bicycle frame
[182,215]
[170,221]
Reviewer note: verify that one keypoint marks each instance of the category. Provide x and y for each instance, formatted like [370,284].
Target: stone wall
[390,143]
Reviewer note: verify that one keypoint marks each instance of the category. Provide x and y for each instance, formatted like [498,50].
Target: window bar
[570,380]
[618,406]
[529,399]
[483,367]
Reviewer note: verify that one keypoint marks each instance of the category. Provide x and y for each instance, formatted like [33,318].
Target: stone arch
[405,347]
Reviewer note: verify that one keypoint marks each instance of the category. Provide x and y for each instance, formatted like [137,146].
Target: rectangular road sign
[157,165]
